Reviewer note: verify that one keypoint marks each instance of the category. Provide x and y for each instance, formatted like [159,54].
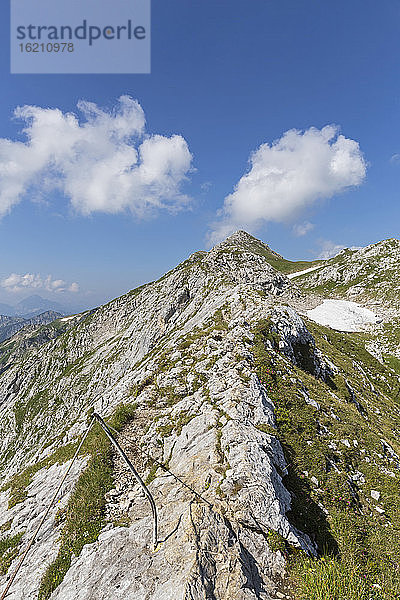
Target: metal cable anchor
[136,475]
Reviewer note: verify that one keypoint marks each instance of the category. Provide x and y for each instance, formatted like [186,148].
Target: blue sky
[228,77]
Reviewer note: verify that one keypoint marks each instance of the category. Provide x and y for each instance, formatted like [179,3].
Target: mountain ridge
[216,372]
[32,306]
[9,326]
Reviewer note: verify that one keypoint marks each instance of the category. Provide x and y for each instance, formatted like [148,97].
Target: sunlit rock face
[180,352]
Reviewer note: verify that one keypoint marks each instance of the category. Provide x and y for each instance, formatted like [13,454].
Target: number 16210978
[49,47]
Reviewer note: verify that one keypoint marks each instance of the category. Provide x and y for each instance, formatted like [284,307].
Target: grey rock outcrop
[181,349]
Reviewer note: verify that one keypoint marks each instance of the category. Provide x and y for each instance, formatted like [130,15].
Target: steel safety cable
[42,520]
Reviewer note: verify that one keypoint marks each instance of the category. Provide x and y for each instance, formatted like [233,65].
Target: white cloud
[288,176]
[395,159]
[105,162]
[206,186]
[33,281]
[301,229]
[74,288]
[329,249]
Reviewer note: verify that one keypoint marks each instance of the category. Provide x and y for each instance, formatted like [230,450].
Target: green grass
[152,473]
[366,567]
[288,266]
[276,542]
[9,547]
[377,282]
[84,517]
[19,483]
[6,526]
[358,548]
[175,424]
[332,578]
[275,260]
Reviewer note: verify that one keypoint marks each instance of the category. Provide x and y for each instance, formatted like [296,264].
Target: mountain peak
[35,305]
[214,352]
[240,236]
[245,241]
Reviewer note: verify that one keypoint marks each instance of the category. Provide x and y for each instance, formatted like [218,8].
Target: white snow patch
[342,315]
[298,273]
[68,318]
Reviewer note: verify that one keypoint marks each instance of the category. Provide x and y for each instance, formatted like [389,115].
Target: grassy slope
[378,269]
[359,547]
[83,518]
[276,260]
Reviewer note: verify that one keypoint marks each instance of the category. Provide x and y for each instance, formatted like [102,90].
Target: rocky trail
[261,419]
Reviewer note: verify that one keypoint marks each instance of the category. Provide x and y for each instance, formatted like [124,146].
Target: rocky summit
[268,441]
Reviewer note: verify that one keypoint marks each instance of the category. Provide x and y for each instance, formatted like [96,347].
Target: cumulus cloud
[289,175]
[33,281]
[329,249]
[74,288]
[104,162]
[301,229]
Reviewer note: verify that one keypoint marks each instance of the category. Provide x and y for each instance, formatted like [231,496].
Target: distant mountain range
[32,306]
[6,309]
[9,326]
